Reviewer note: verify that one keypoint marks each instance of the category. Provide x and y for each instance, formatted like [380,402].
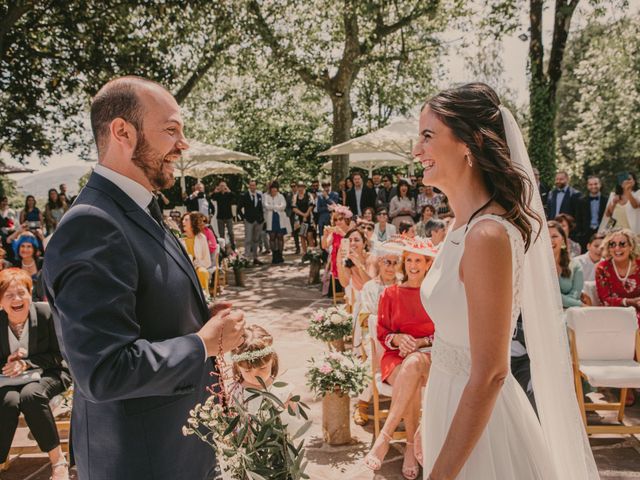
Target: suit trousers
[32,399]
[252,233]
[227,225]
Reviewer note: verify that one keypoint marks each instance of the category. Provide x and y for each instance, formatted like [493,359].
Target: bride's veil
[546,338]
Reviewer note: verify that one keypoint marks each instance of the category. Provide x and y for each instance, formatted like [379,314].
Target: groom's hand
[215,308]
[224,331]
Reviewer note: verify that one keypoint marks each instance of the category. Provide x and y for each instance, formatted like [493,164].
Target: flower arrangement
[312,255]
[337,372]
[238,262]
[253,445]
[333,323]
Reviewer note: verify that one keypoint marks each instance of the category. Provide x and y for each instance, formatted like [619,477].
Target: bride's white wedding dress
[513,445]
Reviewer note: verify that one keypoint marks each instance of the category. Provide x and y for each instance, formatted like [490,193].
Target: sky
[514,57]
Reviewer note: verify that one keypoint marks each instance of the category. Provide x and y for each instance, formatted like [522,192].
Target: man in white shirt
[592,257]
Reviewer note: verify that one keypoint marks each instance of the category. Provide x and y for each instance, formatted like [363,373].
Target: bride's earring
[467,157]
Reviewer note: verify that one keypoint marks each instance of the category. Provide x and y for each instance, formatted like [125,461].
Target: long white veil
[546,337]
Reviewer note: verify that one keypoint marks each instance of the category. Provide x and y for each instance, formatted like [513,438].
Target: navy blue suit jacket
[127,303]
[569,203]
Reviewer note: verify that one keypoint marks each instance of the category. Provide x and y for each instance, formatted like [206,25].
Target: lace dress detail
[512,445]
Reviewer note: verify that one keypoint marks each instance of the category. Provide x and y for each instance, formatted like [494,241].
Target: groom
[131,317]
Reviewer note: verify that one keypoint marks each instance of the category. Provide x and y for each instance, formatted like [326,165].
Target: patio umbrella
[199,153]
[373,161]
[211,167]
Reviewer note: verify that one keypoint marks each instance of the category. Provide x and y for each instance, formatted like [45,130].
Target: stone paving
[278,298]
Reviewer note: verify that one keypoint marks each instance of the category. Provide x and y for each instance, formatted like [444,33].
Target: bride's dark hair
[472,112]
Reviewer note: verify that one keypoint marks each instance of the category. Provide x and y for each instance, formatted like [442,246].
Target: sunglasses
[621,244]
[391,263]
[382,214]
[368,228]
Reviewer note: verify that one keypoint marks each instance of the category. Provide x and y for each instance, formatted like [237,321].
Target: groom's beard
[152,164]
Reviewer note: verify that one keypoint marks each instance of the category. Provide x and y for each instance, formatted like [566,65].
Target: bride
[495,262]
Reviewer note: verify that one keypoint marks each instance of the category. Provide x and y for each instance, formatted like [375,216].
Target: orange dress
[400,310]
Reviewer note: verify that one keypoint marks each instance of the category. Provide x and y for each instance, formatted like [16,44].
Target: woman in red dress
[405,331]
[618,276]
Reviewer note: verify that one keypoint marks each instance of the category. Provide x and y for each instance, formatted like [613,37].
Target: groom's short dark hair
[117,99]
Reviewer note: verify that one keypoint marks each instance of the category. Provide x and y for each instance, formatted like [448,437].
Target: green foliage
[253,445]
[337,372]
[542,111]
[599,101]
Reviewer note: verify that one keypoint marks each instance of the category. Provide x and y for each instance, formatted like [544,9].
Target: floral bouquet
[253,445]
[238,262]
[337,372]
[333,323]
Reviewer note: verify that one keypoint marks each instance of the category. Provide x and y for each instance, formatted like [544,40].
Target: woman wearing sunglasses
[618,276]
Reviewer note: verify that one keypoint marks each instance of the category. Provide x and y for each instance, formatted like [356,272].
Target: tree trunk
[542,135]
[336,427]
[342,120]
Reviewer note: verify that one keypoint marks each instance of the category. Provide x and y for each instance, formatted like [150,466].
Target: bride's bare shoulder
[487,236]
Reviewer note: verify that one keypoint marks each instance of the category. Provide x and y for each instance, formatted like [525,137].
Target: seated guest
[407,229]
[367,228]
[568,224]
[387,263]
[197,246]
[208,232]
[353,271]
[591,258]
[618,276]
[402,207]
[368,214]
[428,213]
[406,332]
[436,230]
[569,273]
[33,371]
[27,254]
[384,230]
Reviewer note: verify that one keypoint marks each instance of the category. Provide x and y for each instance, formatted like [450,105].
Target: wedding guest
[31,362]
[212,241]
[427,213]
[386,193]
[27,255]
[402,206]
[563,198]
[376,178]
[302,206]
[618,276]
[31,213]
[542,188]
[406,333]
[353,271]
[570,275]
[407,229]
[436,230]
[4,263]
[368,214]
[197,246]
[278,224]
[325,199]
[224,199]
[443,210]
[251,212]
[429,197]
[592,257]
[333,236]
[383,230]
[7,214]
[367,228]
[346,188]
[591,210]
[53,211]
[387,268]
[360,197]
[568,224]
[623,207]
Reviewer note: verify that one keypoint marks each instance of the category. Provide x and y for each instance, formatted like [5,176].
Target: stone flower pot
[337,345]
[314,272]
[336,420]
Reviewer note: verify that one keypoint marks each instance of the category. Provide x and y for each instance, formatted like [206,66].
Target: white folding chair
[603,343]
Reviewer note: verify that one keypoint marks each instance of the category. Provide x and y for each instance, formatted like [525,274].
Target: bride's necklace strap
[473,215]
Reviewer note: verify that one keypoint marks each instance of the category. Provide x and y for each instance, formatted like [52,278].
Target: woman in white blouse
[278,224]
[197,246]
[402,206]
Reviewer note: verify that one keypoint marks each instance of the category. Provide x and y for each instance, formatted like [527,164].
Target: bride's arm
[486,272]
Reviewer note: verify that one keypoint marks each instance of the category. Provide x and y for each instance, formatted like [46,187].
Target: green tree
[327,44]
[54,55]
[599,100]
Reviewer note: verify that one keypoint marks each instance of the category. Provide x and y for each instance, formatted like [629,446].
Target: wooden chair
[603,343]
[381,390]
[62,424]
[338,297]
[214,278]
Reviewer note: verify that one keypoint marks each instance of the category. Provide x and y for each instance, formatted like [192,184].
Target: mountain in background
[38,184]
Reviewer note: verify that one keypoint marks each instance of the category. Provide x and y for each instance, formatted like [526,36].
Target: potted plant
[331,325]
[335,377]
[254,445]
[314,257]
[238,264]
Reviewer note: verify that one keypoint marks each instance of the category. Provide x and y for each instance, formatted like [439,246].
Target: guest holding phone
[623,207]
